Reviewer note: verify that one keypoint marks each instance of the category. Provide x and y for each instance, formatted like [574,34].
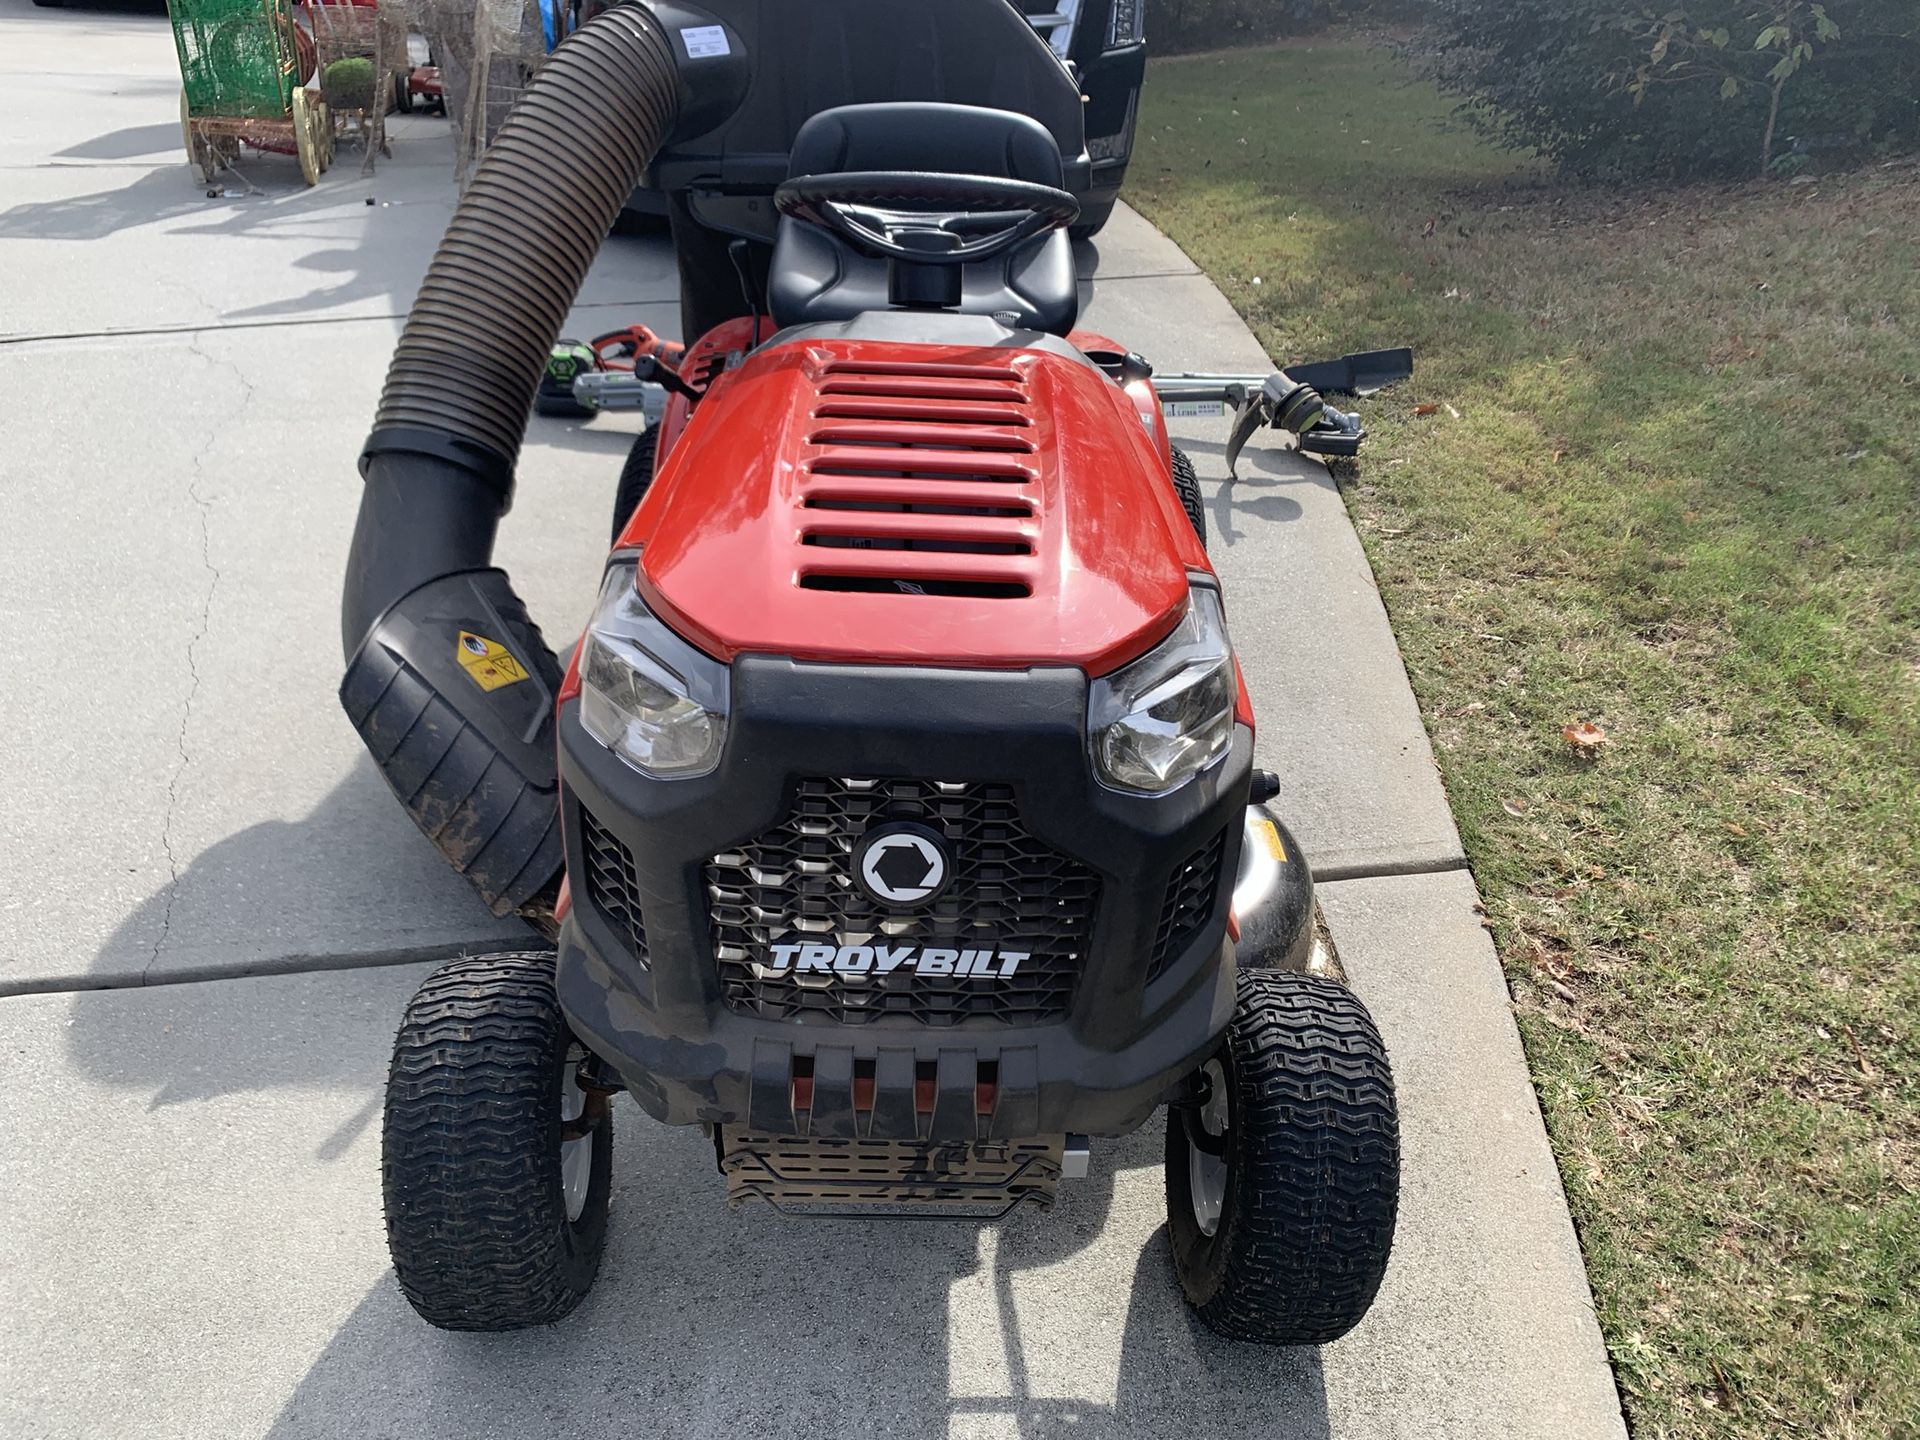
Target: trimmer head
[1290,399]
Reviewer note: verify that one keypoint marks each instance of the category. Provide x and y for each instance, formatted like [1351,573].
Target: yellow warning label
[1270,835]
[488,662]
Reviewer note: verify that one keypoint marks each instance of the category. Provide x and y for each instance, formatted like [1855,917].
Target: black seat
[819,277]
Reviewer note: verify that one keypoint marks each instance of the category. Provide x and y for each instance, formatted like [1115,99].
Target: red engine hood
[916,504]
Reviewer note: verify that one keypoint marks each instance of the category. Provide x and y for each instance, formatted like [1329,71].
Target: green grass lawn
[1671,487]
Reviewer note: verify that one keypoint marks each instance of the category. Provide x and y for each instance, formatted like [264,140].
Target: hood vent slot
[925,463]
[907,380]
[882,585]
[1016,510]
[881,407]
[856,537]
[904,435]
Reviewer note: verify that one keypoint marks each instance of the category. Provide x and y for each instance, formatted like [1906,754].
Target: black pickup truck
[1102,44]
[1105,43]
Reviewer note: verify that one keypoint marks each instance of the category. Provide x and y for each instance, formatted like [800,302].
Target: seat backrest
[818,277]
[910,135]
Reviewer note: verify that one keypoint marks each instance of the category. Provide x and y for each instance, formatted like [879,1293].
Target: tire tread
[1305,1238]
[1186,484]
[475,1220]
[636,477]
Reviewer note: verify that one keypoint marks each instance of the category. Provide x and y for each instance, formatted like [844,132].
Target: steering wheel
[926,216]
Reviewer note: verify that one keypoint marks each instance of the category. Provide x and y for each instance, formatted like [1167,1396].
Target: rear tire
[480,1223]
[1281,1235]
[635,478]
[1186,484]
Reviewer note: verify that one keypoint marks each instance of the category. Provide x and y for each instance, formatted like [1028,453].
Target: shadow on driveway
[710,1323]
[705,1322]
[128,143]
[352,882]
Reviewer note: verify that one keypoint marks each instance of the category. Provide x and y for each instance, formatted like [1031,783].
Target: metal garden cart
[370,30]
[243,64]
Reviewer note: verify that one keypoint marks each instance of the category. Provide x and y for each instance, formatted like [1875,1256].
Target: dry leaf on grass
[1585,738]
[1426,409]
[1859,1053]
[1516,808]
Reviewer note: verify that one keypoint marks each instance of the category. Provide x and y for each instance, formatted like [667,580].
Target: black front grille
[1009,892]
[612,887]
[1191,892]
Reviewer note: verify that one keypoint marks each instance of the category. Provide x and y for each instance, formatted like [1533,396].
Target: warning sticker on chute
[488,663]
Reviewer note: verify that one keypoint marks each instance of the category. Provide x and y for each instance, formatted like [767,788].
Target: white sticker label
[1195,407]
[705,41]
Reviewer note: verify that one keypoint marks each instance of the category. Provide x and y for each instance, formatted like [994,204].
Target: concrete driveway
[212,910]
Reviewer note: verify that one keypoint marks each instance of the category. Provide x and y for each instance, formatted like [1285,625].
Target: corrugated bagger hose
[449,682]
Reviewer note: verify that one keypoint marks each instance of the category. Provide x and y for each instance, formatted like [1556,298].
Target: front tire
[495,1220]
[1283,1184]
[635,478]
[1186,484]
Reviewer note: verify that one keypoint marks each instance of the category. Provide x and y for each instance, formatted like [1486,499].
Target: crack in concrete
[203,507]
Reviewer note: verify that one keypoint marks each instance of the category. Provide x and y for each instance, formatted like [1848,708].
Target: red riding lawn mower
[896,815]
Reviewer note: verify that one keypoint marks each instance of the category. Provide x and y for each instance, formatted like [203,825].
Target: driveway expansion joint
[272,967]
[425,954]
[135,332]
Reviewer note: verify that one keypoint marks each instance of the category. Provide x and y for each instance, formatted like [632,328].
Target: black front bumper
[661,1017]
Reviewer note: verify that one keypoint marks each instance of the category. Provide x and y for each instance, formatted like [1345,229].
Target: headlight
[1127,25]
[646,694]
[1168,715]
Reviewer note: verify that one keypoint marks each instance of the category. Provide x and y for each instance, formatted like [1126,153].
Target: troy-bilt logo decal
[902,864]
[808,957]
